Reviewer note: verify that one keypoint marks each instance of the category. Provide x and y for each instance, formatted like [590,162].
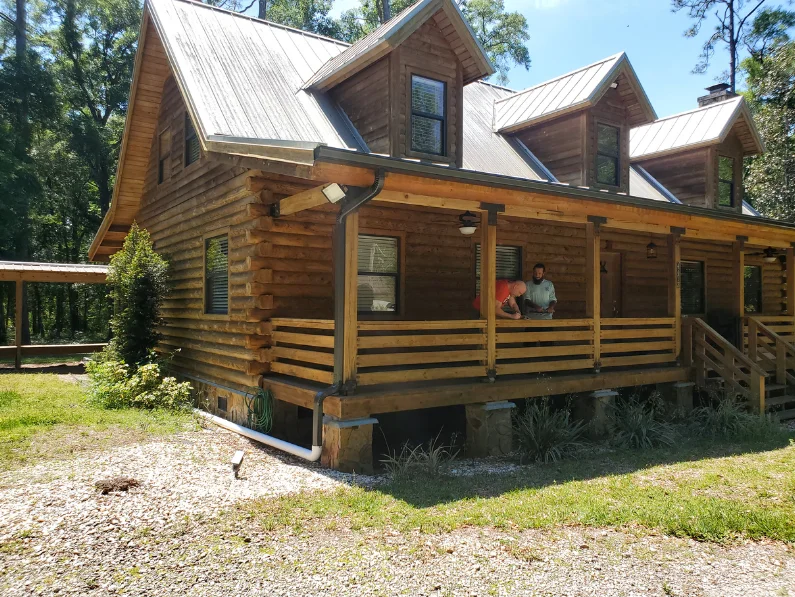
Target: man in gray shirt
[539,301]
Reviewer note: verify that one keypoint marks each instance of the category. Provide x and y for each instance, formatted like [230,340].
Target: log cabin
[330,211]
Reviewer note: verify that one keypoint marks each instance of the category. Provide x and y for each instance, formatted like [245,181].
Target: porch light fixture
[651,251]
[770,255]
[333,192]
[468,223]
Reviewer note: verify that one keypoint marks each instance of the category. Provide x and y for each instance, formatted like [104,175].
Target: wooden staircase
[775,354]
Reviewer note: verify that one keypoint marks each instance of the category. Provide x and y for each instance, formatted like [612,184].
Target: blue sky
[567,34]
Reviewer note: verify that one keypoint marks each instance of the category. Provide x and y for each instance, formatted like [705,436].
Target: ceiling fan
[769,255]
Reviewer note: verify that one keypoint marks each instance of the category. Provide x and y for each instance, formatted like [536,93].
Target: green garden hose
[260,411]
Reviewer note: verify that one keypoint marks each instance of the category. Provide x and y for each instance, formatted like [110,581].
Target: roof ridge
[198,3]
[739,99]
[568,74]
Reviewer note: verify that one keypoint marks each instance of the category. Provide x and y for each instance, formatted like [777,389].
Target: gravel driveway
[179,533]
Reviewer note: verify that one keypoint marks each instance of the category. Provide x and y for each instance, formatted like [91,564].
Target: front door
[610,266]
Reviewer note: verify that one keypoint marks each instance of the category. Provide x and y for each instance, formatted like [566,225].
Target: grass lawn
[44,416]
[710,491]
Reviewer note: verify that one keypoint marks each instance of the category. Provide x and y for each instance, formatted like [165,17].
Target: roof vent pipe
[717,93]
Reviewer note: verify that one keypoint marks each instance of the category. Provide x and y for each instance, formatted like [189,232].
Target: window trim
[186,138]
[400,278]
[448,83]
[703,263]
[732,203]
[619,161]
[761,293]
[161,178]
[205,237]
[475,244]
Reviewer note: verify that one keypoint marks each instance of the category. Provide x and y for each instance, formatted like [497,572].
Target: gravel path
[59,536]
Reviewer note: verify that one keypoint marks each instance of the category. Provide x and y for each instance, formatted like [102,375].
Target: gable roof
[390,34]
[577,90]
[708,125]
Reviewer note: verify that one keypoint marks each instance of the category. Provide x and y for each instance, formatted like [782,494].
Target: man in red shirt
[506,293]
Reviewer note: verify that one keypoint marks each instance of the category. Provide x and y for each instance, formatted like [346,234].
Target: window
[428,115]
[192,147]
[216,275]
[163,155]
[725,181]
[753,289]
[509,264]
[379,273]
[692,290]
[608,154]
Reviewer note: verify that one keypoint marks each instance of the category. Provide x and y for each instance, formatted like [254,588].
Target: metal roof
[643,184]
[750,211]
[391,33]
[576,90]
[703,126]
[52,272]
[241,77]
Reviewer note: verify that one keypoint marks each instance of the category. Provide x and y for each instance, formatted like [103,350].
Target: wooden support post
[346,265]
[593,279]
[488,281]
[687,343]
[791,281]
[674,287]
[738,280]
[781,363]
[301,201]
[18,324]
[699,340]
[757,392]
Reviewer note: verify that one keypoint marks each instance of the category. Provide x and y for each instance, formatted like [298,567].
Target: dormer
[698,155]
[578,124]
[401,87]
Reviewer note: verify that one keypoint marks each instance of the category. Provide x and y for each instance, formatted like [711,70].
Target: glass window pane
[726,168]
[378,254]
[216,284]
[607,170]
[753,289]
[509,264]
[427,96]
[377,293]
[692,288]
[725,191]
[426,135]
[607,139]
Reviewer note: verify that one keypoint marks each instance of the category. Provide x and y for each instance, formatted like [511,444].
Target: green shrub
[138,279]
[546,435]
[424,459]
[112,384]
[637,424]
[727,418]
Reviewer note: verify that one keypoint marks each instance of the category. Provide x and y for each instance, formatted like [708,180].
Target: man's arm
[553,300]
[504,315]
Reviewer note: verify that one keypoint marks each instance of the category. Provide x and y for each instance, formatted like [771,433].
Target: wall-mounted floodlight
[333,192]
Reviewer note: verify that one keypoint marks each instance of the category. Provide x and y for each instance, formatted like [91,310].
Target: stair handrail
[783,348]
[755,379]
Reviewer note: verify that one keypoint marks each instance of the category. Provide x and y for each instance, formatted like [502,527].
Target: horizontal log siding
[194,201]
[684,174]
[559,146]
[365,99]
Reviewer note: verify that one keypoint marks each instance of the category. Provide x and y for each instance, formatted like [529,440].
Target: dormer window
[608,154]
[428,115]
[725,181]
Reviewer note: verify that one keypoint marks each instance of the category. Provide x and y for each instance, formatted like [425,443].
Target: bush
[636,424]
[728,419]
[112,384]
[544,435]
[138,278]
[424,459]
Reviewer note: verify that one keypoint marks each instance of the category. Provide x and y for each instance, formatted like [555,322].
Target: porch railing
[303,348]
[538,346]
[406,351]
[638,341]
[770,350]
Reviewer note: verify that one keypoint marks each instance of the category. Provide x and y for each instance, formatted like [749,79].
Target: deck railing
[538,346]
[638,341]
[405,351]
[303,348]
[770,350]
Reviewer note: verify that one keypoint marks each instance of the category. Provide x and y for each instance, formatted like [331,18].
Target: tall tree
[732,26]
[93,52]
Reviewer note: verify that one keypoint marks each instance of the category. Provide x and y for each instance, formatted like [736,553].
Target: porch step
[786,415]
[778,400]
[774,387]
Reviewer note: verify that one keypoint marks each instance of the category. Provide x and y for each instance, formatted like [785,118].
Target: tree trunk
[3,333]
[74,314]
[58,311]
[103,184]
[263,9]
[387,11]
[732,49]
[25,315]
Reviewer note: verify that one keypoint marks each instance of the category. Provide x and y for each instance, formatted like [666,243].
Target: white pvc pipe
[312,455]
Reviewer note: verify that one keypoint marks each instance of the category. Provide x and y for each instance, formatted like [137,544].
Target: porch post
[488,281]
[738,280]
[593,284]
[18,324]
[674,285]
[790,281]
[346,265]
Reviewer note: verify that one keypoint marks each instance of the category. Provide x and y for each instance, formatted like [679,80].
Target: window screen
[216,275]
[608,154]
[692,289]
[192,147]
[753,289]
[509,264]
[427,115]
[379,273]
[725,181]
[163,156]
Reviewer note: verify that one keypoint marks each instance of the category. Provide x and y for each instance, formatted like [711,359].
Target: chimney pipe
[717,93]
